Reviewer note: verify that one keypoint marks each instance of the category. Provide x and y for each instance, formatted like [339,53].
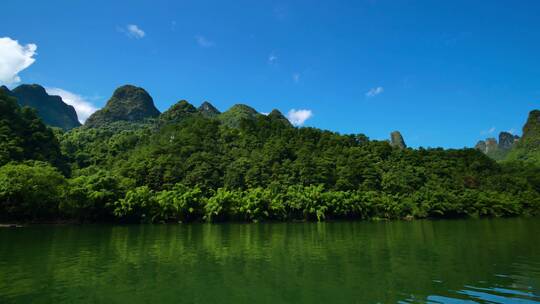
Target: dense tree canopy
[184,166]
[23,136]
[30,190]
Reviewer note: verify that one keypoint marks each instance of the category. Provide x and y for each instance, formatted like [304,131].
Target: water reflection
[487,295]
[463,261]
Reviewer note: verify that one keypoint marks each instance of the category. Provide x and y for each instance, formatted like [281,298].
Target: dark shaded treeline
[186,165]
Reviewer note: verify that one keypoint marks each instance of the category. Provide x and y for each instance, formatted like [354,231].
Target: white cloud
[133,31]
[488,131]
[296,77]
[14,58]
[374,91]
[204,42]
[83,108]
[298,117]
[272,58]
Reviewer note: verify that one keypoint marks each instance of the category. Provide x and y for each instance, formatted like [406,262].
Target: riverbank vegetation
[199,169]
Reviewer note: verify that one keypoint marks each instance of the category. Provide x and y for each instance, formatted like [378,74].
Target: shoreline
[77,223]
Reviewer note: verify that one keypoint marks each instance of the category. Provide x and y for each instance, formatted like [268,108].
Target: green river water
[447,261]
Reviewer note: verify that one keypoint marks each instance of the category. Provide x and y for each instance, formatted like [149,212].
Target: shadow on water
[454,261]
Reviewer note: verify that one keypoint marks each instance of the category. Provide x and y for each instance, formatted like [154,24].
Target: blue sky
[444,73]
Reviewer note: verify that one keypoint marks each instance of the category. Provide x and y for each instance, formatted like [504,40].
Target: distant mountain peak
[233,116]
[507,140]
[128,103]
[511,147]
[396,140]
[52,109]
[276,115]
[208,110]
[34,88]
[179,111]
[528,147]
[497,149]
[276,112]
[531,129]
[243,107]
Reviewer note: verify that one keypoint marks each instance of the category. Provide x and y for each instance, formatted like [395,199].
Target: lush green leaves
[23,136]
[30,191]
[92,196]
[189,167]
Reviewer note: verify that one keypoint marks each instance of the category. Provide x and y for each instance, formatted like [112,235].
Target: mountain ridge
[528,147]
[510,147]
[51,108]
[128,103]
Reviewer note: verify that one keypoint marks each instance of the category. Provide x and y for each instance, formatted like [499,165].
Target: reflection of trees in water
[282,262]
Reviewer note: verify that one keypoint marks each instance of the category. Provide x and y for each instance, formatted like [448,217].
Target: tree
[23,136]
[92,196]
[30,191]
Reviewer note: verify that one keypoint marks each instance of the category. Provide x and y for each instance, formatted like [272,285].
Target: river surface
[450,261]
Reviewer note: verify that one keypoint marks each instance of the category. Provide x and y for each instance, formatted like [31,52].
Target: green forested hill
[510,147]
[179,111]
[233,116]
[208,110]
[52,109]
[278,116]
[128,103]
[241,165]
[528,147]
